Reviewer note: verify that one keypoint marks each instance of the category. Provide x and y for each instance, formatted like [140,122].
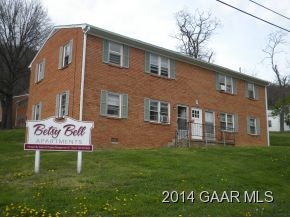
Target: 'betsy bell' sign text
[59,135]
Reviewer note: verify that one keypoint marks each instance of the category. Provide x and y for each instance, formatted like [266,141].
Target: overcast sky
[238,43]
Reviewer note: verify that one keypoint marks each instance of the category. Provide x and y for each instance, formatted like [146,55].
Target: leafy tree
[24,25]
[194,33]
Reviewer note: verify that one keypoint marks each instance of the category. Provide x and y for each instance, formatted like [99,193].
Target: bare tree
[275,40]
[194,33]
[23,27]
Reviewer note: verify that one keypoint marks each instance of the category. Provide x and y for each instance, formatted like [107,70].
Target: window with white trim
[39,72]
[229,122]
[62,104]
[156,111]
[159,65]
[65,55]
[252,91]
[36,111]
[226,84]
[114,104]
[115,53]
[253,126]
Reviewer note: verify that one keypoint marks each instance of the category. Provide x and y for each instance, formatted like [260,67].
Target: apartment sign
[53,134]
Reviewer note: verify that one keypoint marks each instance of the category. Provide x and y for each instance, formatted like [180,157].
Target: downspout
[85,30]
[267,124]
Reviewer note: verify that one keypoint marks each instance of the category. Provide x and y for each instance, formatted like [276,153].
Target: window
[36,111]
[159,65]
[251,91]
[65,55]
[115,53]
[229,122]
[39,72]
[269,123]
[114,104]
[62,104]
[156,111]
[226,84]
[253,126]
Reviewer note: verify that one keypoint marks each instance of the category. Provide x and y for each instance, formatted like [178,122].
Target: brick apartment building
[140,94]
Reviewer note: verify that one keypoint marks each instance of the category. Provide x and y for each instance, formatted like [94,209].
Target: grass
[130,182]
[280,139]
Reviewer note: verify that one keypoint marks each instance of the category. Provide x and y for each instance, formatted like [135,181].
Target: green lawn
[130,182]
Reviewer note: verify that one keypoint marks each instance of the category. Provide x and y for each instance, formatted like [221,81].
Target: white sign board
[54,134]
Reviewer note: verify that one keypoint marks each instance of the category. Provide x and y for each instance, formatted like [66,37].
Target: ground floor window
[114,104]
[253,126]
[62,104]
[156,111]
[36,111]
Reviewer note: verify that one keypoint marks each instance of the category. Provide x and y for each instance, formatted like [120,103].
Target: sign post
[53,134]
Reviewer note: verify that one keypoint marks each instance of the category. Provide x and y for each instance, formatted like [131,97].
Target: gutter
[85,30]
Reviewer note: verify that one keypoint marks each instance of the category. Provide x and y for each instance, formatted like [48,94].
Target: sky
[237,43]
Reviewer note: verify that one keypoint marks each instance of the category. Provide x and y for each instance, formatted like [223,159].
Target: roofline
[96,31]
[53,31]
[173,54]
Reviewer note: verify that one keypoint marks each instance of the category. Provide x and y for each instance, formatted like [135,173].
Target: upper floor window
[229,122]
[39,71]
[253,126]
[251,91]
[115,53]
[156,111]
[65,55]
[114,104]
[62,104]
[36,111]
[159,65]
[226,84]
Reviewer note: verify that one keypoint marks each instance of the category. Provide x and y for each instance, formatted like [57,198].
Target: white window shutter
[70,51]
[40,110]
[66,103]
[258,128]
[147,62]
[103,103]
[172,69]
[60,61]
[43,69]
[125,56]
[57,111]
[256,88]
[124,106]
[36,74]
[146,109]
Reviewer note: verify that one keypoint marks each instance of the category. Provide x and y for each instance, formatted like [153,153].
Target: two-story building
[139,94]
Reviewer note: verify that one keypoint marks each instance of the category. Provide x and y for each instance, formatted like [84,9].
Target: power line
[269,9]
[253,16]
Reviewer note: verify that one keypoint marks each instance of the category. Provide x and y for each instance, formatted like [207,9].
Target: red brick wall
[57,81]
[192,83]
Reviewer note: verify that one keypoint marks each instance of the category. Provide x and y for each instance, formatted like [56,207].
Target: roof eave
[172,54]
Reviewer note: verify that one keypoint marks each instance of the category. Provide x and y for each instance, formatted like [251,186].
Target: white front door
[196,123]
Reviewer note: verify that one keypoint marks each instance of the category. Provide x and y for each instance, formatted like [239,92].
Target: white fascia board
[53,31]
